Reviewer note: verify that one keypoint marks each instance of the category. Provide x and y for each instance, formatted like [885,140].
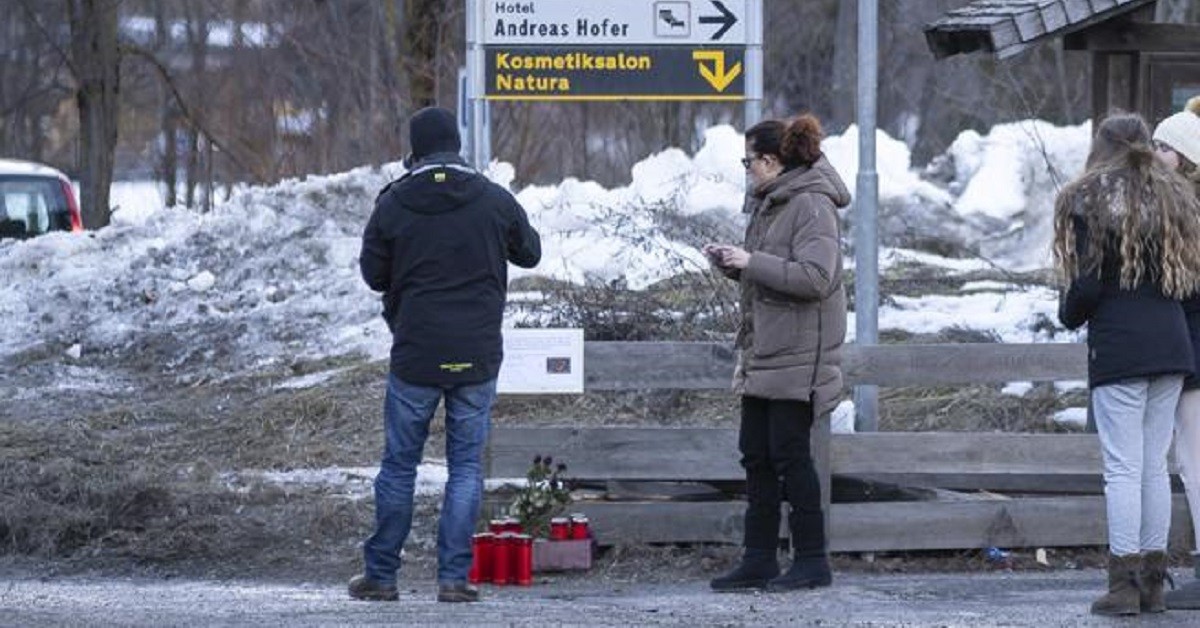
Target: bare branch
[186,111]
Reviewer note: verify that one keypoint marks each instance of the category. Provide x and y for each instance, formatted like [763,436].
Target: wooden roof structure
[1007,27]
[1137,64]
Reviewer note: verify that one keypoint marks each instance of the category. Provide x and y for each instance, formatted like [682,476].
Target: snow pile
[1013,174]
[267,277]
[270,277]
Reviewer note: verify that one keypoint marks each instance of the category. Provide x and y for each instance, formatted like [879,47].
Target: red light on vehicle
[73,206]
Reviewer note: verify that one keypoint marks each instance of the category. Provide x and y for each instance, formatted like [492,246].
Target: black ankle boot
[757,568]
[806,572]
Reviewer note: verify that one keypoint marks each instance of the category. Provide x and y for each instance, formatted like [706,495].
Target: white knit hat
[1182,133]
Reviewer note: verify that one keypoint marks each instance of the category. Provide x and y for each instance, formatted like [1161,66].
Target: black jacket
[1191,309]
[437,246]
[1131,333]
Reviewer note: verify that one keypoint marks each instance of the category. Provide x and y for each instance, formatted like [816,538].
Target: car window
[31,206]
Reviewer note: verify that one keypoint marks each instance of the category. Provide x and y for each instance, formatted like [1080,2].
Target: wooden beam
[883,526]
[929,365]
[710,454]
[1100,76]
[648,453]
[1124,36]
[1030,484]
[1016,523]
[709,366]
[644,365]
[965,453]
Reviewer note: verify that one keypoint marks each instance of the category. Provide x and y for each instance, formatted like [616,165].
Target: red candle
[524,564]
[482,545]
[560,528]
[580,528]
[501,563]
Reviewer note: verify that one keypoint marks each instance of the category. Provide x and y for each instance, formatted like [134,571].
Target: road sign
[614,73]
[555,50]
[615,22]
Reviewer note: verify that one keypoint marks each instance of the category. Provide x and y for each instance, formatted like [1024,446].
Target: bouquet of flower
[546,493]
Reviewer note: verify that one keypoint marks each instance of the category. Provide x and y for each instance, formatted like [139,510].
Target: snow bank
[270,277]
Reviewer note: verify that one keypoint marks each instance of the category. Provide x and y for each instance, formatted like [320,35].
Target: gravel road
[969,599]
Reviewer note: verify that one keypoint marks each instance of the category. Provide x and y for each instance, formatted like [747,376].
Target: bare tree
[845,67]
[168,114]
[421,49]
[96,63]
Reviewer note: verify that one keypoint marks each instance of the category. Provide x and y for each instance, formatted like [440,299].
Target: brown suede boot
[1124,595]
[1154,572]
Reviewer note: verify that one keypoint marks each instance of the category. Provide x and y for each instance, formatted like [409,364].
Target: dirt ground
[861,600]
[116,475]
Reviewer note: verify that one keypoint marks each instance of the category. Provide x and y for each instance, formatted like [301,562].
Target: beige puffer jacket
[792,297]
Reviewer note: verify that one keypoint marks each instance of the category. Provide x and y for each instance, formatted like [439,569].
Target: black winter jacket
[1191,309]
[1131,333]
[437,246]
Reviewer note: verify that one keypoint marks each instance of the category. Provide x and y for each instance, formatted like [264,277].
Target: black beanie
[433,130]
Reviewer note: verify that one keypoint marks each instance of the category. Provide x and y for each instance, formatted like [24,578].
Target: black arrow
[727,19]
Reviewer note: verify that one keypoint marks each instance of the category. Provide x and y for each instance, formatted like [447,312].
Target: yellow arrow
[717,76]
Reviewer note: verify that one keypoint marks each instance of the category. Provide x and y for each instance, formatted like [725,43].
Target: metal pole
[479,148]
[754,62]
[866,231]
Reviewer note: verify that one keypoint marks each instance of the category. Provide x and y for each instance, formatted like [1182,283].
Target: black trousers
[775,441]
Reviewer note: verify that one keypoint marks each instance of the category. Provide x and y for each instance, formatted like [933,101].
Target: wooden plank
[625,523]
[917,365]
[1026,522]
[1029,484]
[647,453]
[1137,37]
[1077,10]
[890,526]
[709,365]
[1005,34]
[1054,17]
[642,365]
[1101,73]
[1029,25]
[710,454]
[965,453]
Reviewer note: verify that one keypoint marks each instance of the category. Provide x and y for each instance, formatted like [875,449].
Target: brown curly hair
[1132,206]
[796,142]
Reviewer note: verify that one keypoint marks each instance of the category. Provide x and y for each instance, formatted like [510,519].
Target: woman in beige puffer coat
[793,308]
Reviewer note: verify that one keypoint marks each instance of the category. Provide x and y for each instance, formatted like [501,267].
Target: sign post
[478,149]
[866,229]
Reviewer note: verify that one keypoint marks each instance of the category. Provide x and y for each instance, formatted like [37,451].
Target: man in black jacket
[437,246]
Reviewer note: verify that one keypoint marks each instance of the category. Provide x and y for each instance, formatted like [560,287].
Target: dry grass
[140,482]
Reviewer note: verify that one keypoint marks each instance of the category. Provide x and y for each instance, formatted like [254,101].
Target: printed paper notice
[542,361]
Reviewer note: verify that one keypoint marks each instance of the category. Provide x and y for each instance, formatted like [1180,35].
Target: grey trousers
[1135,420]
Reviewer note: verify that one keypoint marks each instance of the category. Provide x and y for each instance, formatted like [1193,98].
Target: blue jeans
[407,411]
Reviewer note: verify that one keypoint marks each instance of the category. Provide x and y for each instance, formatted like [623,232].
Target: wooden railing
[1057,476]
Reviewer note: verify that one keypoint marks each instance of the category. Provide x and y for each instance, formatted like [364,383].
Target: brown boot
[1124,595]
[1154,572]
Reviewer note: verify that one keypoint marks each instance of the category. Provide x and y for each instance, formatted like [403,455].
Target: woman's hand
[734,257]
[713,253]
